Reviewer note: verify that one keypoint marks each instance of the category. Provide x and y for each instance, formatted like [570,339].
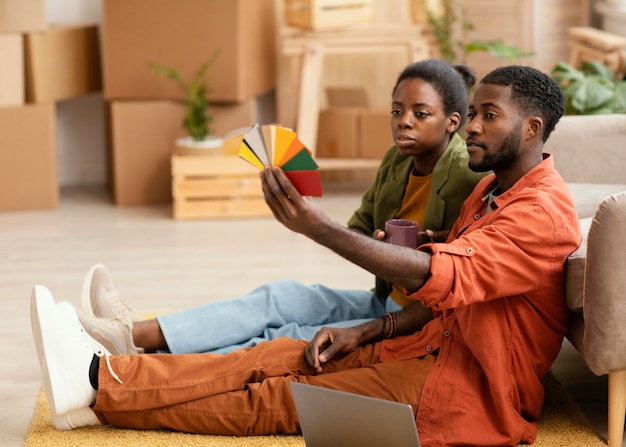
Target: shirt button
[476,216]
[429,348]
[446,333]
[470,250]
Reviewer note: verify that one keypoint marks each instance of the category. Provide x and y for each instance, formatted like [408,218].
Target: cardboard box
[142,135]
[375,135]
[338,132]
[62,62]
[183,36]
[11,70]
[28,161]
[353,132]
[22,15]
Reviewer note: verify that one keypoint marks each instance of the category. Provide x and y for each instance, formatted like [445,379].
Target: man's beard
[504,158]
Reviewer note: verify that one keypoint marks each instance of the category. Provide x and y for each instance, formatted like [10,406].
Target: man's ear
[535,126]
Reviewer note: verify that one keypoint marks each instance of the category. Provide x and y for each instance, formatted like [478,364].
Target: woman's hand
[378,234]
[437,236]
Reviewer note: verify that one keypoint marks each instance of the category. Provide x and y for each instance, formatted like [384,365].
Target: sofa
[590,153]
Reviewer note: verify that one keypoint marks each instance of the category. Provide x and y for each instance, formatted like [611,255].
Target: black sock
[93,371]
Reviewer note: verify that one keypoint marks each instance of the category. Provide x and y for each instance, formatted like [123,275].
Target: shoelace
[100,351]
[119,308]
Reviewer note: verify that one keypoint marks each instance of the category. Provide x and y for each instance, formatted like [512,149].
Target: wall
[81,136]
[81,132]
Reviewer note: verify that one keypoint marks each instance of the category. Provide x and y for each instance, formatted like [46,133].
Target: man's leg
[289,330]
[245,392]
[242,393]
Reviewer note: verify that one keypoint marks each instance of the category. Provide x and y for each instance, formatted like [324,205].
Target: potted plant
[443,19]
[590,90]
[197,119]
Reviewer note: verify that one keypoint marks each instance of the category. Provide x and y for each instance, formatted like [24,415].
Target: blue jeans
[278,309]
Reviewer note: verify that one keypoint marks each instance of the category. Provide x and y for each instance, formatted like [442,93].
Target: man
[472,374]
[423,177]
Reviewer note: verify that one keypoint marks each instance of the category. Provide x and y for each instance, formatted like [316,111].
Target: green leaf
[598,69]
[590,89]
[196,119]
[497,48]
[591,93]
[618,102]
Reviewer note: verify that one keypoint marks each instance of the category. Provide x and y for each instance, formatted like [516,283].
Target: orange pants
[245,392]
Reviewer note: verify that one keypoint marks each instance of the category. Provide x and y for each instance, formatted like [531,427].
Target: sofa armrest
[604,296]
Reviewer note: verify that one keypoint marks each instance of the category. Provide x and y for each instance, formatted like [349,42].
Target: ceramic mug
[403,232]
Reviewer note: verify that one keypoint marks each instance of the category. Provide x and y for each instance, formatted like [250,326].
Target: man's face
[494,129]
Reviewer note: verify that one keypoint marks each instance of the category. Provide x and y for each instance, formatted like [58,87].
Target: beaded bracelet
[394,325]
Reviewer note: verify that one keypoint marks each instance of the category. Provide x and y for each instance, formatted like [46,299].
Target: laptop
[331,418]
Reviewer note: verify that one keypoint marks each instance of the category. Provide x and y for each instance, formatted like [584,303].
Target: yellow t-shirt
[413,207]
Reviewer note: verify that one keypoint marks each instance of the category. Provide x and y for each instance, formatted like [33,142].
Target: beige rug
[562,424]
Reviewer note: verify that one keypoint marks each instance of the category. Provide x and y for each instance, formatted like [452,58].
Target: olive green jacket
[452,182]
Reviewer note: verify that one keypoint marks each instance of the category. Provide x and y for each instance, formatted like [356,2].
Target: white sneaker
[65,353]
[82,417]
[100,299]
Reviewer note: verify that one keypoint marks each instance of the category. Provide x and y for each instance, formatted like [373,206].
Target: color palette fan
[280,146]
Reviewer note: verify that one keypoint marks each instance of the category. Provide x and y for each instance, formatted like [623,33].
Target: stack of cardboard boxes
[350,128]
[39,65]
[146,110]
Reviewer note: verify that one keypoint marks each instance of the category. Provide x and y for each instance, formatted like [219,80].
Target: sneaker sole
[42,313]
[60,421]
[86,292]
[82,417]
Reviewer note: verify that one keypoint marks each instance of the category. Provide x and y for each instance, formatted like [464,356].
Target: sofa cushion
[589,148]
[575,271]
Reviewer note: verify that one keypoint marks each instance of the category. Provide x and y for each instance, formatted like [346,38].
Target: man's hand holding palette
[279,146]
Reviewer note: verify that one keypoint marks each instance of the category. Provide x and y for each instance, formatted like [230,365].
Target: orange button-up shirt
[497,290]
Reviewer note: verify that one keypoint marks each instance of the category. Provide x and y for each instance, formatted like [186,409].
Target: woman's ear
[454,120]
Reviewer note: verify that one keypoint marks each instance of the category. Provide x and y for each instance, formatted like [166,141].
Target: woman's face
[418,123]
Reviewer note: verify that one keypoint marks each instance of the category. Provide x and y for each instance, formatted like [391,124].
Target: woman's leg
[258,315]
[307,332]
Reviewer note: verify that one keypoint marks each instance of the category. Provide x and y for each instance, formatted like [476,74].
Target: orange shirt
[497,291]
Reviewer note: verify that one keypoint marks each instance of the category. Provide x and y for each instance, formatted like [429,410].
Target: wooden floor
[161,264]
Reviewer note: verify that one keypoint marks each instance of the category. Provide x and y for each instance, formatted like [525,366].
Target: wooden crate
[206,187]
[325,14]
[591,44]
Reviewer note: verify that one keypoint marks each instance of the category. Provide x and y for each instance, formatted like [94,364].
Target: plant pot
[209,146]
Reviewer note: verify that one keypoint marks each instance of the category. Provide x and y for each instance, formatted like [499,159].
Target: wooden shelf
[339,164]
[301,64]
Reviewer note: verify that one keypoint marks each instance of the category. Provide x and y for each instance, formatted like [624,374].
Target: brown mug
[403,232]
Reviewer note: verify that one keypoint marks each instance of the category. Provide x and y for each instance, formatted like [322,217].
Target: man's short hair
[534,92]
